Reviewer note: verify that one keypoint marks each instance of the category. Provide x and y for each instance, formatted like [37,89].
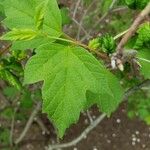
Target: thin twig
[42,125]
[5,49]
[29,123]
[134,89]
[89,116]
[101,19]
[80,26]
[82,136]
[76,8]
[82,19]
[133,29]
[12,127]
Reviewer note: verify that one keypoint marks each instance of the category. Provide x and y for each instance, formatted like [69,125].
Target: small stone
[93,117]
[86,121]
[107,20]
[133,143]
[109,141]
[75,148]
[113,135]
[137,132]
[138,140]
[143,145]
[18,121]
[134,139]
[118,120]
[95,148]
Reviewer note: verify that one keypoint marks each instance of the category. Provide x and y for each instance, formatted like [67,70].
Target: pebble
[109,141]
[118,120]
[134,139]
[143,146]
[75,148]
[138,140]
[133,143]
[93,117]
[113,135]
[86,121]
[137,132]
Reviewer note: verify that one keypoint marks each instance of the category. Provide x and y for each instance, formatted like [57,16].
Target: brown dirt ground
[115,133]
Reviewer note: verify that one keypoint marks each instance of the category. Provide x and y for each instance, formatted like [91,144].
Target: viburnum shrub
[74,75]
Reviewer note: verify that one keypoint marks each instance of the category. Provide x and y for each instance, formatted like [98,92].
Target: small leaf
[10,92]
[107,43]
[10,77]
[20,14]
[40,12]
[94,43]
[19,34]
[143,37]
[136,4]
[144,59]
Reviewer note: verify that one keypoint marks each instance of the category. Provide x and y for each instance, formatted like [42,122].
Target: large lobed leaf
[69,73]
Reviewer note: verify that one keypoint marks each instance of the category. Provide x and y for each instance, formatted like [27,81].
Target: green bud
[107,43]
[136,4]
[94,43]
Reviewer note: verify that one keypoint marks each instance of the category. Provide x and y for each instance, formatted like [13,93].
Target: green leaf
[26,101]
[10,77]
[21,14]
[105,6]
[66,19]
[4,136]
[20,34]
[94,43]
[143,37]
[10,92]
[107,43]
[144,59]
[40,13]
[2,13]
[136,4]
[68,73]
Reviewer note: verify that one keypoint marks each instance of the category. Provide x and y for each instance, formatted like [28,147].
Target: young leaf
[9,77]
[143,38]
[136,4]
[144,59]
[68,73]
[21,14]
[40,12]
[20,34]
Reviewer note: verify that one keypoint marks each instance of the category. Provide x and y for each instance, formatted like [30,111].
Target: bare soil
[115,133]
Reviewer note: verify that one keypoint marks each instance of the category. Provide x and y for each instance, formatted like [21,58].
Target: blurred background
[82,20]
